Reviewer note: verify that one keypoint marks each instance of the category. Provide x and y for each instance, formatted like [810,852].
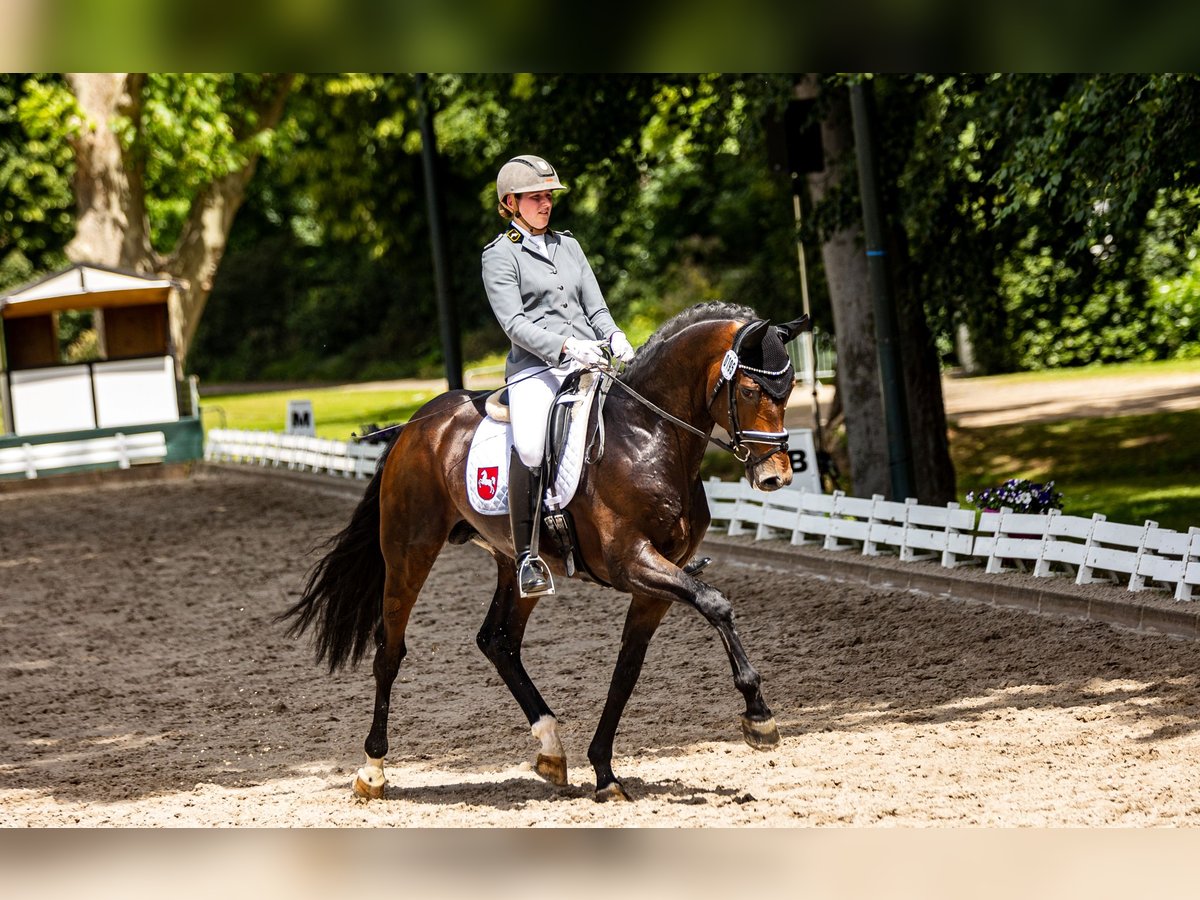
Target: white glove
[586,353]
[621,348]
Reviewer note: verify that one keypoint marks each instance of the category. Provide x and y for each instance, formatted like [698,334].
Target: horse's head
[751,394]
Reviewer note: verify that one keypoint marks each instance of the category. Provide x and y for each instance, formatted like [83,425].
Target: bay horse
[640,513]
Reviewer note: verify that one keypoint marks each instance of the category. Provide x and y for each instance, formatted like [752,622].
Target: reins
[687,426]
[730,363]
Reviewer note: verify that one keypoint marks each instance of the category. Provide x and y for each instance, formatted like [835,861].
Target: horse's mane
[716,310]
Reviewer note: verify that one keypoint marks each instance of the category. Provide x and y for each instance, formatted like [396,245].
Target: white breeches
[530,395]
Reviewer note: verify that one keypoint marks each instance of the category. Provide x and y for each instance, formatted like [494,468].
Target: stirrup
[533,576]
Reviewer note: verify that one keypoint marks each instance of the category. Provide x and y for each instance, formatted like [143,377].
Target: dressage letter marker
[300,418]
[802,451]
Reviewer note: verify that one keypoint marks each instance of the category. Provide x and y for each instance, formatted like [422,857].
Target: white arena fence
[31,460]
[1091,549]
[348,459]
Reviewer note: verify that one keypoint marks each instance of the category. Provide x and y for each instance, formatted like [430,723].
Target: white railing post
[1042,568]
[869,547]
[1085,576]
[30,461]
[1137,582]
[1190,568]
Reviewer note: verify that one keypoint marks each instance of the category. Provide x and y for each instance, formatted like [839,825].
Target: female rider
[546,298]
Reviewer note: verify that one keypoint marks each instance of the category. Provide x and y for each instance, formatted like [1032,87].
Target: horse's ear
[789,330]
[754,334]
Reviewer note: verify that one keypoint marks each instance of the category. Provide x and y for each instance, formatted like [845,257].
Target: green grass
[337,411]
[1110,370]
[1130,468]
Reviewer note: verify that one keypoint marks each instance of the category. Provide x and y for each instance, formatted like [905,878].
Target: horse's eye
[748,393]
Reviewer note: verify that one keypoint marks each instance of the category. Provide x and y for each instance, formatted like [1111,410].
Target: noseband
[731,363]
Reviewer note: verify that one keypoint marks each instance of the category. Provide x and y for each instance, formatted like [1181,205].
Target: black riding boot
[524,494]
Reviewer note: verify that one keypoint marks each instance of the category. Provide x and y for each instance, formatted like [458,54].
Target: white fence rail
[293,451]
[1089,549]
[125,450]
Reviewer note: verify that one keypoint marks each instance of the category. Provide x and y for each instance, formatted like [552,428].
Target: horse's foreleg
[758,725]
[658,576]
[500,640]
[645,614]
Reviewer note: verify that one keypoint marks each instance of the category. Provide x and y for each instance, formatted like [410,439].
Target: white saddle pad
[491,446]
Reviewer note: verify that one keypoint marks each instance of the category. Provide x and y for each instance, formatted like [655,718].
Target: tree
[36,202]
[1041,208]
[161,167]
[667,175]
[834,193]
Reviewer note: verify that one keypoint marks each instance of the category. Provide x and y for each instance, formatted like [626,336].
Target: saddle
[574,437]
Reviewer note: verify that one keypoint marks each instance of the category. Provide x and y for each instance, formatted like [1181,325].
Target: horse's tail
[343,597]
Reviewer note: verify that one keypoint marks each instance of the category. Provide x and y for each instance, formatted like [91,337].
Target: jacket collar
[519,236]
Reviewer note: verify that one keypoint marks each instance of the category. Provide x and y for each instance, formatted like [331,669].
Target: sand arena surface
[144,683]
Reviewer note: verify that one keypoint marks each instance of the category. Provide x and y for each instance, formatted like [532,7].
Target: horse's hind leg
[403,583]
[645,614]
[500,640]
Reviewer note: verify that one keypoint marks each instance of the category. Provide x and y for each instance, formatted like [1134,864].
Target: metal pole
[808,338]
[895,404]
[447,320]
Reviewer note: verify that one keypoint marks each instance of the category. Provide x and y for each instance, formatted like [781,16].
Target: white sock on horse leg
[545,730]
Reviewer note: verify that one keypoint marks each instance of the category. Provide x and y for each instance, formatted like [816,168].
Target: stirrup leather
[533,576]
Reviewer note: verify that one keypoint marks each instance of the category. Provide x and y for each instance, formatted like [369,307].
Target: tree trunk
[929,447]
[194,260]
[112,225]
[853,318]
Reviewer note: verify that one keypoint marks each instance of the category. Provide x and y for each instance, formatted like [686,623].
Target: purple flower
[1019,495]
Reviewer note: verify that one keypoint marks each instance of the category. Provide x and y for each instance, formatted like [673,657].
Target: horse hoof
[613,791]
[369,783]
[760,735]
[553,769]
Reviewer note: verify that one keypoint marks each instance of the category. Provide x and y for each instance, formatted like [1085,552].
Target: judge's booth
[119,402]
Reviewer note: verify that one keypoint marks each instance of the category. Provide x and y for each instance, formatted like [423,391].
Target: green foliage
[77,337]
[1047,213]
[1054,217]
[36,201]
[181,132]
[191,130]
[670,194]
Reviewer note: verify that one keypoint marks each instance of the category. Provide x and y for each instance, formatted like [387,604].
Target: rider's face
[535,208]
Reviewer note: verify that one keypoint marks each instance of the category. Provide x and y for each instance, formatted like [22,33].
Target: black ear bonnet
[760,350]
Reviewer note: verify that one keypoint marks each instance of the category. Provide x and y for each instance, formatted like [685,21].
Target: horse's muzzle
[772,473]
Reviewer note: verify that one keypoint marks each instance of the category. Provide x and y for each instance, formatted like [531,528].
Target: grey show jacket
[540,301]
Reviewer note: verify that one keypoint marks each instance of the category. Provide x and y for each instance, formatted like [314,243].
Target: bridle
[731,363]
